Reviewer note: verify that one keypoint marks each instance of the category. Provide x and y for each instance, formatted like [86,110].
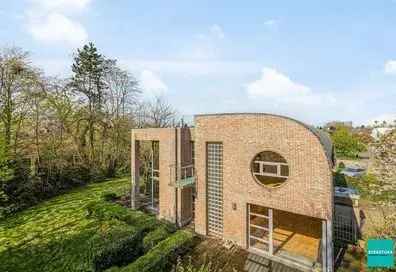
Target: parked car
[354,171]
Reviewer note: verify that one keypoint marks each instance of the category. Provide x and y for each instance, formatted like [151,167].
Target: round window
[269,169]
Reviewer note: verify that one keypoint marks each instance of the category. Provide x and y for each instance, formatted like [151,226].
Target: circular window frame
[258,181]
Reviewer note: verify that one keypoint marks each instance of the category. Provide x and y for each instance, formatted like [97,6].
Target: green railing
[190,181]
[187,176]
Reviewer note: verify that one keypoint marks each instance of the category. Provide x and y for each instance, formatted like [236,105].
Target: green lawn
[58,235]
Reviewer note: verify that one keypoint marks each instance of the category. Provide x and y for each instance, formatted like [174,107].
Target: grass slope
[57,235]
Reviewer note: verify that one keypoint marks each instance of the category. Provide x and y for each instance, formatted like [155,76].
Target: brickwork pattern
[307,191]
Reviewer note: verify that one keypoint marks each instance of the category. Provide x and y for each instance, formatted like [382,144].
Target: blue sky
[312,60]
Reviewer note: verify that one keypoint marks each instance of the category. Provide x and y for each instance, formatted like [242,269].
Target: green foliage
[88,74]
[157,235]
[109,196]
[57,235]
[119,252]
[346,144]
[164,255]
[6,173]
[339,180]
[368,186]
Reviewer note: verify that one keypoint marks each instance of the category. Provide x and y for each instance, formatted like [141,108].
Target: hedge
[109,196]
[163,256]
[108,211]
[154,237]
[120,252]
[129,247]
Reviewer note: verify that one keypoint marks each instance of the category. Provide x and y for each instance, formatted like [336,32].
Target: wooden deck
[297,235]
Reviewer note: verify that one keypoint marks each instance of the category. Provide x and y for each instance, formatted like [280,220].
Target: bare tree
[160,113]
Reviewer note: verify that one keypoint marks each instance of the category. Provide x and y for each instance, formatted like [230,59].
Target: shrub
[346,144]
[105,211]
[120,252]
[154,237]
[164,255]
[109,196]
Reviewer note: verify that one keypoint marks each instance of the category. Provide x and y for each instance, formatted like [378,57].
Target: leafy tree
[56,134]
[88,81]
[346,144]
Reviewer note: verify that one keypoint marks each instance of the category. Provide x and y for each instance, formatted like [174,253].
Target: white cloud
[279,88]
[217,31]
[152,84]
[58,28]
[275,84]
[51,21]
[390,67]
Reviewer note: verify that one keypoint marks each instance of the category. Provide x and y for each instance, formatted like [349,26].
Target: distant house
[262,181]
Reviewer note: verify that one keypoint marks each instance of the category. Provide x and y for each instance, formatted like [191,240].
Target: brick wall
[307,191]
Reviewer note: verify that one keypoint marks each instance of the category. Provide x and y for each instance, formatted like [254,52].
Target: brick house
[261,181]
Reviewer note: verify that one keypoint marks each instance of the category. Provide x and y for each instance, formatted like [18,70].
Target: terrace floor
[297,244]
[212,250]
[297,237]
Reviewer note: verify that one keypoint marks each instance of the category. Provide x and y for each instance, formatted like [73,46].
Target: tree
[160,113]
[121,97]
[345,143]
[56,134]
[16,77]
[88,80]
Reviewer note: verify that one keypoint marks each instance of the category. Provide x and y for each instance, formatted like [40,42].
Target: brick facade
[307,191]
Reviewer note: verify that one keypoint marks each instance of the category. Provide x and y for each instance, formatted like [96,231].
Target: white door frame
[270,227]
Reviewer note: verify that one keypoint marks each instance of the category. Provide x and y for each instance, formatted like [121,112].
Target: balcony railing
[187,176]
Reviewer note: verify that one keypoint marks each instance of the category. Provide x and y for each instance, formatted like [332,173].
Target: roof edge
[323,137]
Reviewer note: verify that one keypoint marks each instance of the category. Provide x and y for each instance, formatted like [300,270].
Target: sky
[315,61]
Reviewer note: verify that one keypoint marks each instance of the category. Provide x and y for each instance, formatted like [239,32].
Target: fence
[346,229]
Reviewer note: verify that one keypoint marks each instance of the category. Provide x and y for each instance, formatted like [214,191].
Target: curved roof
[323,136]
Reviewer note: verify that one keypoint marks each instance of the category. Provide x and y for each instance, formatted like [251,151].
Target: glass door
[260,226]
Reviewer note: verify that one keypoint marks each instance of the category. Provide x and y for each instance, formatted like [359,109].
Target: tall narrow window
[214,157]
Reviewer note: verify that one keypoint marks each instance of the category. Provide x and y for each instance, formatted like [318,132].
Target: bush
[126,249]
[154,237]
[106,211]
[346,144]
[120,252]
[164,255]
[109,196]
